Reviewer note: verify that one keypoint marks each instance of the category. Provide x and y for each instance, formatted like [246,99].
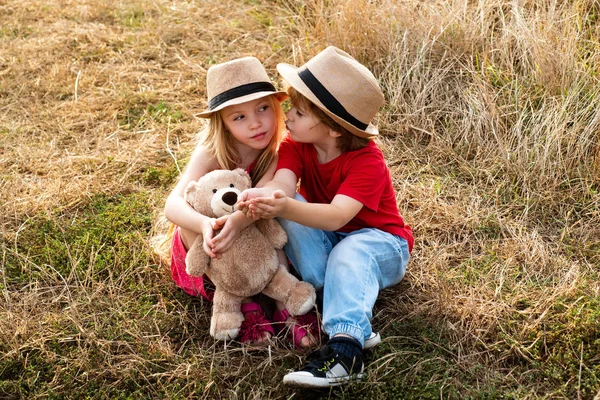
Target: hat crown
[236,82]
[232,74]
[350,82]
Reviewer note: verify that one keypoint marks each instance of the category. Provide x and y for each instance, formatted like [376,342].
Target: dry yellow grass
[491,132]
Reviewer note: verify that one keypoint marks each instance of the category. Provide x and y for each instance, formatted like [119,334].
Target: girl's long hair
[220,143]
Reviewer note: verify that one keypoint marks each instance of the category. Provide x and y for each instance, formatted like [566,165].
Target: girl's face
[253,123]
[304,127]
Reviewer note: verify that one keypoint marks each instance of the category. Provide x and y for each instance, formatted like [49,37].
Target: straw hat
[340,86]
[235,82]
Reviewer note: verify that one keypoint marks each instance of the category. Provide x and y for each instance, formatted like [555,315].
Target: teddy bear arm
[273,231]
[196,260]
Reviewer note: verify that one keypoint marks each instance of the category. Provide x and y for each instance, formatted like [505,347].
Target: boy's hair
[220,143]
[347,141]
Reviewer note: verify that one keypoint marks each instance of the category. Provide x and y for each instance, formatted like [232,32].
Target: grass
[490,129]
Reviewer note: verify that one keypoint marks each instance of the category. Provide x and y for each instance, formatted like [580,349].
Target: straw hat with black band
[340,86]
[235,82]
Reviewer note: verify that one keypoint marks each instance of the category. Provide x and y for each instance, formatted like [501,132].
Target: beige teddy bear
[251,265]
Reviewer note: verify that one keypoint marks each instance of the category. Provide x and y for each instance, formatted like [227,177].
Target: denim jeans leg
[358,267]
[308,250]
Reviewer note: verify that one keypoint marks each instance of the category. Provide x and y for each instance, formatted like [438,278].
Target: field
[491,131]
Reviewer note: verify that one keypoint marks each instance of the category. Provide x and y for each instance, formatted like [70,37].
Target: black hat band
[240,91]
[327,98]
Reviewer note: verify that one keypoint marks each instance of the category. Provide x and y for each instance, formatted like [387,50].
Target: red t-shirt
[361,174]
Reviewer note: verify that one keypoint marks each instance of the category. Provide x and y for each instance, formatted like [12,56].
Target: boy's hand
[268,207]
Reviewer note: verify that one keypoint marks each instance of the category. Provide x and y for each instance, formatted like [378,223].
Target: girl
[244,131]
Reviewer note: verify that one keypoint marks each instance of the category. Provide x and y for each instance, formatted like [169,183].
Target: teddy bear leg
[297,296]
[227,316]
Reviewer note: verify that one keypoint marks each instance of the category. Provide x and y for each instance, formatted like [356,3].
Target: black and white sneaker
[329,368]
[372,341]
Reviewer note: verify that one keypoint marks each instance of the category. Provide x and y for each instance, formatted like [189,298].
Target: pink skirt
[194,285]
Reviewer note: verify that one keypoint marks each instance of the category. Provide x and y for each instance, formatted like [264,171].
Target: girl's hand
[231,226]
[207,234]
[245,200]
[268,207]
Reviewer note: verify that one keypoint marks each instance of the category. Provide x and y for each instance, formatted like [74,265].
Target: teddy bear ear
[190,190]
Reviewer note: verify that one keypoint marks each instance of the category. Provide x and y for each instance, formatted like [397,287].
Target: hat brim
[290,74]
[281,96]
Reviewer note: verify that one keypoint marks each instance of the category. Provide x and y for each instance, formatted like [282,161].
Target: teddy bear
[250,266]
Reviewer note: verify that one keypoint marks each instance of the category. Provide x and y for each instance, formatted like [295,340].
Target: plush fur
[251,265]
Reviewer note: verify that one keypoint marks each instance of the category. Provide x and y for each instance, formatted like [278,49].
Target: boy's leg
[359,266]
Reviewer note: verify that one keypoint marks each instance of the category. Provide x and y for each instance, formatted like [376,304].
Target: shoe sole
[313,382]
[372,341]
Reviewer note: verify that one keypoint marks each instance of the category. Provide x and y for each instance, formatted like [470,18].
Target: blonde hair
[347,141]
[220,143]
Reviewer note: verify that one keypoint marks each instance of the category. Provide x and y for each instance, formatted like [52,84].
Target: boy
[349,239]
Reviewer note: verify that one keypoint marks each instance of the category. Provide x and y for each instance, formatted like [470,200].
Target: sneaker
[327,369]
[372,341]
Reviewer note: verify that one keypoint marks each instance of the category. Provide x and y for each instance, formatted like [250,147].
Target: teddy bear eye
[214,190]
[231,185]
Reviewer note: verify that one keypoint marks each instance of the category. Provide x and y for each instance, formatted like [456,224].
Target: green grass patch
[105,237]
[133,17]
[139,111]
[562,350]
[19,32]
[163,177]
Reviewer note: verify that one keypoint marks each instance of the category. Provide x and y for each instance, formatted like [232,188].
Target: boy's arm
[328,217]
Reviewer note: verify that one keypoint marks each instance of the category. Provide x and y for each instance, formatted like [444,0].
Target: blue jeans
[351,268]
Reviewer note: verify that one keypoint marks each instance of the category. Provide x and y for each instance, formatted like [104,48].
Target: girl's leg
[359,266]
[193,285]
[187,237]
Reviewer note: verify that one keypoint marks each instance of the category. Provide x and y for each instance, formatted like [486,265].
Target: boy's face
[304,127]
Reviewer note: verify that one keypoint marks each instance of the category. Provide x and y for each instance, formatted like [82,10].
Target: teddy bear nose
[230,198]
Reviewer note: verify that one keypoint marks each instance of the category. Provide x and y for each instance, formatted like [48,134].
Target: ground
[490,129]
